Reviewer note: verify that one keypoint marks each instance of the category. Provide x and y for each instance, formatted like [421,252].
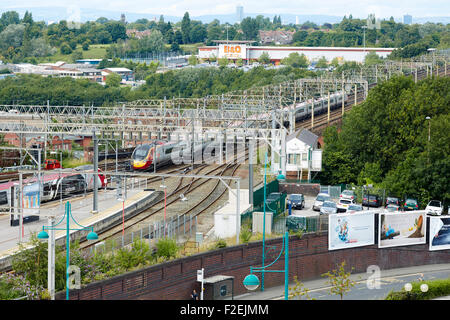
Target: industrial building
[238,49]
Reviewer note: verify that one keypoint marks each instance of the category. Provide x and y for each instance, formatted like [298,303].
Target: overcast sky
[358,8]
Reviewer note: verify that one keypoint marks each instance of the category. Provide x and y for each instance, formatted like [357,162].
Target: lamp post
[165,205]
[251,281]
[364,37]
[262,268]
[44,235]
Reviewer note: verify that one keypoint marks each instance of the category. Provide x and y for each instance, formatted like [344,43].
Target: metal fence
[333,191]
[179,227]
[294,224]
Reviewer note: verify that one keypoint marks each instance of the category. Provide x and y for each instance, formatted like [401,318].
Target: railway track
[172,198]
[322,120]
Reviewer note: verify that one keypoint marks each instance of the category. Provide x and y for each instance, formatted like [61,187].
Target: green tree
[249,28]
[322,63]
[372,58]
[339,280]
[113,80]
[295,60]
[264,58]
[223,62]
[192,60]
[186,28]
[76,55]
[85,45]
[65,48]
[299,290]
[116,29]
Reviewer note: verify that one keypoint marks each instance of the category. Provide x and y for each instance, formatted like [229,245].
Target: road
[394,279]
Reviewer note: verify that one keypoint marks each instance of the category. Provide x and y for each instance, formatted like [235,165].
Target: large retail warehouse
[235,50]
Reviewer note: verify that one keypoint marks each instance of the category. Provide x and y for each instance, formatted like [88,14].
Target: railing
[177,228]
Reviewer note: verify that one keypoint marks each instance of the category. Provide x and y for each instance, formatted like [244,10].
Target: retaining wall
[309,258]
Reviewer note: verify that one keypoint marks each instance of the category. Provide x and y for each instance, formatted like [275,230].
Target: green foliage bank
[388,141]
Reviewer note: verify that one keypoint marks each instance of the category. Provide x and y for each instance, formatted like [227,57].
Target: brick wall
[309,258]
[310,189]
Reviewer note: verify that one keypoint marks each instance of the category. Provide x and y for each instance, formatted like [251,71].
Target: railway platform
[109,208]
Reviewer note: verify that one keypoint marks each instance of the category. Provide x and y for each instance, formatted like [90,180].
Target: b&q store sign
[232,51]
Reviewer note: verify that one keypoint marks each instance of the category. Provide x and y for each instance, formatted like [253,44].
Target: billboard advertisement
[402,229]
[232,51]
[439,233]
[351,230]
[31,199]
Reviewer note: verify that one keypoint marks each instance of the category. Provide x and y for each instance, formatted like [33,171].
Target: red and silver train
[162,153]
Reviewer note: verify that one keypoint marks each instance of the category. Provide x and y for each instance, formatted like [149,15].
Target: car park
[434,207]
[411,204]
[328,207]
[343,204]
[352,208]
[321,197]
[371,200]
[297,201]
[348,194]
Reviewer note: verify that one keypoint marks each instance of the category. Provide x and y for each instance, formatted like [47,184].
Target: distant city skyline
[357,8]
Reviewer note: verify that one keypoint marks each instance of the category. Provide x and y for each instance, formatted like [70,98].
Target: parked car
[297,201]
[371,200]
[348,194]
[321,197]
[411,204]
[434,207]
[352,208]
[343,204]
[272,197]
[328,207]
[393,207]
[393,200]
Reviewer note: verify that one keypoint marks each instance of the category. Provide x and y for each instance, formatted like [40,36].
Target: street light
[251,282]
[364,37]
[44,235]
[165,199]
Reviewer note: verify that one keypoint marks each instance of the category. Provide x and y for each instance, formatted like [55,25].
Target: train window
[168,150]
[141,152]
[3,197]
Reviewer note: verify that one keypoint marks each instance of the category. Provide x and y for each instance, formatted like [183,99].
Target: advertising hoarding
[439,233]
[401,229]
[351,230]
[31,199]
[232,51]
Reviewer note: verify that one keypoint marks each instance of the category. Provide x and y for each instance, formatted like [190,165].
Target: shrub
[166,248]
[65,48]
[220,243]
[245,235]
[436,288]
